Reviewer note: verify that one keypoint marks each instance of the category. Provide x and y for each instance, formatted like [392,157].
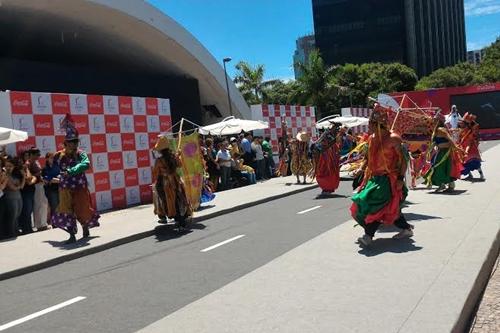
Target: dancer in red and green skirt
[383,189]
[446,161]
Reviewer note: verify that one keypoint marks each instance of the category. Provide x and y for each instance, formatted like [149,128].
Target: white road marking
[40,313]
[222,243]
[308,210]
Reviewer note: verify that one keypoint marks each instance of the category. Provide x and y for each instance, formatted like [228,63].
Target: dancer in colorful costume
[326,159]
[171,199]
[74,195]
[282,169]
[383,189]
[469,142]
[301,163]
[447,159]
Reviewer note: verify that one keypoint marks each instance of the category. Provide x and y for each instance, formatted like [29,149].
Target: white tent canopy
[8,136]
[348,121]
[231,125]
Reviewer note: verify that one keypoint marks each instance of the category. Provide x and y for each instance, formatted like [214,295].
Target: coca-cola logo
[119,197]
[131,178]
[140,123]
[486,87]
[95,105]
[128,142]
[142,159]
[43,125]
[98,143]
[22,103]
[112,123]
[115,161]
[80,124]
[61,104]
[102,181]
[126,105]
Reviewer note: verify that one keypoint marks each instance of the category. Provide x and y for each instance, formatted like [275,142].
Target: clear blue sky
[264,31]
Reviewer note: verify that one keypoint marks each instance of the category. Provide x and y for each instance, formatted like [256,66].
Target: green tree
[489,68]
[250,81]
[282,92]
[461,74]
[315,84]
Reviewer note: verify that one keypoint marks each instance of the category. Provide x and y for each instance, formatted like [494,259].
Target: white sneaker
[365,240]
[405,233]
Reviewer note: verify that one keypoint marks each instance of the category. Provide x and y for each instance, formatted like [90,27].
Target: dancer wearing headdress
[326,159]
[74,195]
[383,189]
[301,163]
[171,199]
[469,142]
[446,161]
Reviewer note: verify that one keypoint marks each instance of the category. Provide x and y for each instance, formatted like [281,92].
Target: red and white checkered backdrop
[298,118]
[358,112]
[116,131]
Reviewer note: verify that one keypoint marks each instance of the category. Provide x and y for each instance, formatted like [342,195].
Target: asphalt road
[131,286]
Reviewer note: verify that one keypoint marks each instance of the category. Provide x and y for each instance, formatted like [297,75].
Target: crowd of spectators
[237,161]
[28,193]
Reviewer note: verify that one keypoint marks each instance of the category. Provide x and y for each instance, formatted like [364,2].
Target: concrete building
[476,56]
[111,47]
[304,46]
[423,34]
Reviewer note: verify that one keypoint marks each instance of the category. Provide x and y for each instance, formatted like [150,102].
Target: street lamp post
[227,85]
[350,93]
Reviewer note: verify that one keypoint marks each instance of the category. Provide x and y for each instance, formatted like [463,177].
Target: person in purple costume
[74,195]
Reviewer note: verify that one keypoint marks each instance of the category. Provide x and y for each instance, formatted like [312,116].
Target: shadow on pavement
[82,242]
[389,245]
[454,192]
[420,217]
[474,180]
[167,232]
[329,196]
[204,207]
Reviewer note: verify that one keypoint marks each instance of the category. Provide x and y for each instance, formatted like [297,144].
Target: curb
[141,235]
[473,300]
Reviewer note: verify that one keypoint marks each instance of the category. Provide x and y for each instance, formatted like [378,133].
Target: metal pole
[227,87]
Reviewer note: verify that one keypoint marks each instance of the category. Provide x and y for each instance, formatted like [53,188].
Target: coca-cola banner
[117,132]
[298,118]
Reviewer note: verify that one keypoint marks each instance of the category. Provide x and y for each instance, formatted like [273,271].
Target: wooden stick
[179,136]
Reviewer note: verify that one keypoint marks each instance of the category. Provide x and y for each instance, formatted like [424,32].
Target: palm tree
[251,82]
[316,82]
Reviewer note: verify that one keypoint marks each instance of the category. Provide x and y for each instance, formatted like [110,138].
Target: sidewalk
[328,284]
[44,249]
[487,319]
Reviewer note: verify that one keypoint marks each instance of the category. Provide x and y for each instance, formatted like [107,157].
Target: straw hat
[303,136]
[162,143]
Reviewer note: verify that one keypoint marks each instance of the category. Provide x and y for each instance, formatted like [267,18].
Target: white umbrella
[231,125]
[348,121]
[8,135]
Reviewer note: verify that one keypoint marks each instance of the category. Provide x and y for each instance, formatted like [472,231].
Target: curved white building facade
[129,37]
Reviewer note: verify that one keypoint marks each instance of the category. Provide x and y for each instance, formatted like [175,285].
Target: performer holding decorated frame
[383,189]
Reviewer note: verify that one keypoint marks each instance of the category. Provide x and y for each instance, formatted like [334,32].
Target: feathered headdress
[68,125]
[380,115]
[469,118]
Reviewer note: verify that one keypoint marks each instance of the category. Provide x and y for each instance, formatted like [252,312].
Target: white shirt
[452,119]
[259,154]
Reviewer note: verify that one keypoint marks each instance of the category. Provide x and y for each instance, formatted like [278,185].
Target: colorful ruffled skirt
[378,201]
